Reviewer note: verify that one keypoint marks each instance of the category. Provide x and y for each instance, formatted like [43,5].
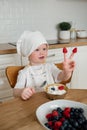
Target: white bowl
[49,106]
[81,34]
[54,94]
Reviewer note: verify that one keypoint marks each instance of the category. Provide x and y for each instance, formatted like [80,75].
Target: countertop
[8,48]
[17,114]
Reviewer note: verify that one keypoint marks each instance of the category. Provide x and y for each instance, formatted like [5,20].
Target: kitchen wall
[19,15]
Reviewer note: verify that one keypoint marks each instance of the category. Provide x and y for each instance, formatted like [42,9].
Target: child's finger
[65,51]
[64,56]
[73,52]
[33,90]
[71,56]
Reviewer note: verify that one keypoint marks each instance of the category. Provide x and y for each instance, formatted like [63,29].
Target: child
[38,73]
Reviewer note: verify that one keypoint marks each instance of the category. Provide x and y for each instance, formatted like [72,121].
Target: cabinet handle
[52,55]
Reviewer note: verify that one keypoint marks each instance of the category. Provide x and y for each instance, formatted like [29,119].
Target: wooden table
[17,114]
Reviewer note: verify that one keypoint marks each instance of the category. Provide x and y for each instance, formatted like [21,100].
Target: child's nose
[41,52]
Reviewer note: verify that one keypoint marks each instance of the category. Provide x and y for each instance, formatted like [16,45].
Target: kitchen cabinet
[55,55]
[79,79]
[7,60]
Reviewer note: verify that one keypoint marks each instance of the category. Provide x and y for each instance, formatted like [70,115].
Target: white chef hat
[29,41]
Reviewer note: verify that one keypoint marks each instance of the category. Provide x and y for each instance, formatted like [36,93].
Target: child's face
[39,55]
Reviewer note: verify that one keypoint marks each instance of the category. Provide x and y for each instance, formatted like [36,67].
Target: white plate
[49,106]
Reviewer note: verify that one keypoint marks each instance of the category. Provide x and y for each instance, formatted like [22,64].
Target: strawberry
[74,50]
[64,50]
[61,87]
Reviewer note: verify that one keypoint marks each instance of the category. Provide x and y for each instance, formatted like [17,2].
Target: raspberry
[55,113]
[74,50]
[66,114]
[58,124]
[68,109]
[64,50]
[49,116]
[50,123]
[62,119]
[61,87]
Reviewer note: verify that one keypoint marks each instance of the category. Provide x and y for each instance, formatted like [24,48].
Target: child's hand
[69,64]
[27,93]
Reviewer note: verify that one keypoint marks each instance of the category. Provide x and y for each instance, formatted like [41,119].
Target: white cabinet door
[55,55]
[79,79]
[7,60]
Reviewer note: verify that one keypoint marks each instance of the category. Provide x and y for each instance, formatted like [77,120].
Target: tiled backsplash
[19,15]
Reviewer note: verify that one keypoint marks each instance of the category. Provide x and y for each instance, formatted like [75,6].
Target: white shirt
[34,76]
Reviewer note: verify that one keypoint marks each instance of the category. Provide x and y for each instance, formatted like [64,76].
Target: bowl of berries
[62,115]
[56,91]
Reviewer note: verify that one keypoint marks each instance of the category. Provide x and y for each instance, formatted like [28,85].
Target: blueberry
[59,110]
[76,110]
[73,128]
[85,125]
[62,128]
[81,110]
[53,89]
[75,124]
[71,120]
[47,125]
[72,109]
[65,123]
[56,118]
[80,121]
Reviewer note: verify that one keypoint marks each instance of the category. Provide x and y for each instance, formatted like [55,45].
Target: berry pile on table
[66,119]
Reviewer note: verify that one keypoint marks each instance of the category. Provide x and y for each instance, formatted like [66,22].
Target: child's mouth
[42,57]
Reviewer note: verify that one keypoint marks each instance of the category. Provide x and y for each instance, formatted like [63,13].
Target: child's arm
[68,66]
[17,92]
[66,73]
[24,93]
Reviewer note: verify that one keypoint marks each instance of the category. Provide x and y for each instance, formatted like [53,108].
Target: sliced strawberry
[61,87]
[65,50]
[74,50]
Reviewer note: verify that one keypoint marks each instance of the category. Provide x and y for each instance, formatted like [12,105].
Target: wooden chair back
[12,73]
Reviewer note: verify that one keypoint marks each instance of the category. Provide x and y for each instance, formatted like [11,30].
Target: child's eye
[37,50]
[44,49]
